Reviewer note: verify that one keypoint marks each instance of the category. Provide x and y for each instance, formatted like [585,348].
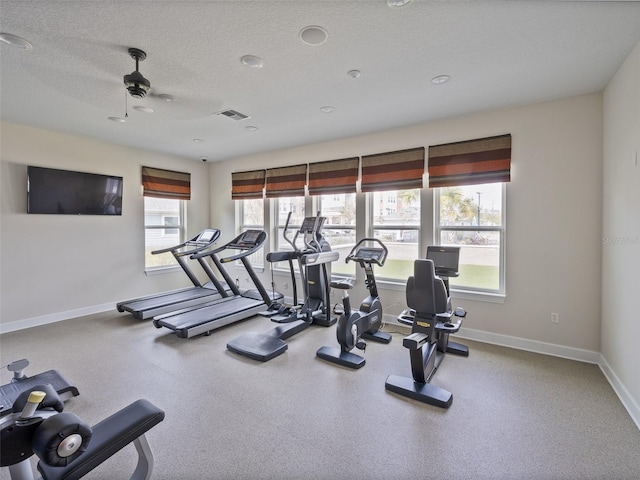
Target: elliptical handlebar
[286,230]
[313,234]
[355,251]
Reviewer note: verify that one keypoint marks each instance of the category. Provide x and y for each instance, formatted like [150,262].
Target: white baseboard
[578,354]
[623,394]
[54,317]
[391,324]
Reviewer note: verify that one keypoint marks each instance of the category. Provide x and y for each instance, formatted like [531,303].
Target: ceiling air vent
[234,115]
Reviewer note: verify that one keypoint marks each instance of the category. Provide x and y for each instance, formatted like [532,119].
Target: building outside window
[251,216]
[164,227]
[340,227]
[473,218]
[284,205]
[395,220]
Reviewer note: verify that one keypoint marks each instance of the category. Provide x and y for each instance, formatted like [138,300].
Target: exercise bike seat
[342,284]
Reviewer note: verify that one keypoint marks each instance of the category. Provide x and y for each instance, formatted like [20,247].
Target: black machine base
[265,346]
[422,392]
[377,336]
[457,349]
[336,355]
[325,320]
[10,391]
[258,346]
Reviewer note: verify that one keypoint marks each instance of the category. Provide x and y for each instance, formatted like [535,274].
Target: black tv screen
[65,192]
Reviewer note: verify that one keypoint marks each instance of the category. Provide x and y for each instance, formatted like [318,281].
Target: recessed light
[142,108]
[313,35]
[327,109]
[440,79]
[117,119]
[398,3]
[15,41]
[353,73]
[167,97]
[198,140]
[251,128]
[252,61]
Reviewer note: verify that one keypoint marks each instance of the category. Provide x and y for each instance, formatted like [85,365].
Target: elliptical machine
[433,322]
[315,262]
[354,325]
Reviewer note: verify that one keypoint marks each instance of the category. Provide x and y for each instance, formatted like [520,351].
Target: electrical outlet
[555,318]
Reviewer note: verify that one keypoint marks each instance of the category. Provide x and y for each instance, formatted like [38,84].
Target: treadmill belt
[208,313]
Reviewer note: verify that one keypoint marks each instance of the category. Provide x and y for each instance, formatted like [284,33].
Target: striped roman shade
[334,176]
[398,170]
[485,160]
[166,184]
[246,185]
[286,181]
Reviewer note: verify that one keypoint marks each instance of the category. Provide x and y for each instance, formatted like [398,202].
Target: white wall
[56,266]
[621,229]
[553,212]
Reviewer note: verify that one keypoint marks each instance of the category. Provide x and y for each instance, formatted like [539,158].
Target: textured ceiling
[498,54]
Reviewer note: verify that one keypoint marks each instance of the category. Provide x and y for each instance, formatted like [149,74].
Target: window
[284,205]
[473,218]
[160,213]
[395,220]
[251,215]
[340,227]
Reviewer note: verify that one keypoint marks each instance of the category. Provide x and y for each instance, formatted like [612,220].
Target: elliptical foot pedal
[258,346]
[336,355]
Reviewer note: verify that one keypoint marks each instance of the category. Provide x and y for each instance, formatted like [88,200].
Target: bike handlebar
[355,258]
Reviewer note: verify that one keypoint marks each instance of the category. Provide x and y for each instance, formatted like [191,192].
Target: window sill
[478,296]
[161,270]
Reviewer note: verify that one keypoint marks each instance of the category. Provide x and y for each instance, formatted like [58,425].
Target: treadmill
[239,305]
[149,306]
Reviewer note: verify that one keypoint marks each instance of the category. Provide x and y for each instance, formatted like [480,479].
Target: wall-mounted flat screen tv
[65,192]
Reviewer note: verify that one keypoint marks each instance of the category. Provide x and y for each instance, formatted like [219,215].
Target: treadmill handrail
[234,245]
[245,252]
[199,245]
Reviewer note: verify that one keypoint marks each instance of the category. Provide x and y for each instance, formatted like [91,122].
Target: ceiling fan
[182,107]
[136,84]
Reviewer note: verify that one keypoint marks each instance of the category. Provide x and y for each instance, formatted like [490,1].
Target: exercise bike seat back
[426,293]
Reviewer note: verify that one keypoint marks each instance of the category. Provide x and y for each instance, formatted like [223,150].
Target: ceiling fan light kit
[136,84]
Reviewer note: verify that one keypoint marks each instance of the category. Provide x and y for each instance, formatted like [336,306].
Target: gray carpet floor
[515,414]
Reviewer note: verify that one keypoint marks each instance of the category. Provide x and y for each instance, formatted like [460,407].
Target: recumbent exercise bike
[433,322]
[353,325]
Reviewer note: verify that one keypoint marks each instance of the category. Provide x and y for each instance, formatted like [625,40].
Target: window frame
[257,259]
[372,226]
[181,227]
[500,229]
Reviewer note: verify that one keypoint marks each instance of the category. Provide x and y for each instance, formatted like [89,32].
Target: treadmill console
[249,239]
[309,222]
